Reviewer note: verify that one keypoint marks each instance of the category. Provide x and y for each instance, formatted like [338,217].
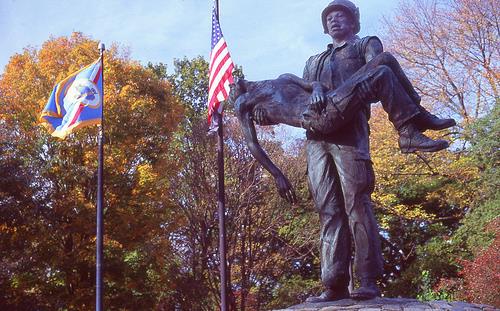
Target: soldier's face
[340,25]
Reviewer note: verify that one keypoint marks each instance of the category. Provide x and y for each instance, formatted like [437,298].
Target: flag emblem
[82,91]
[75,102]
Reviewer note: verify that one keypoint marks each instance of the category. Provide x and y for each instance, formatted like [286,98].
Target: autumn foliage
[161,224]
[49,191]
[482,274]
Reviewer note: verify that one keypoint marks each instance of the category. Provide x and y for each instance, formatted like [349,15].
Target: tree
[161,224]
[260,230]
[49,244]
[411,206]
[485,152]
[450,49]
[482,275]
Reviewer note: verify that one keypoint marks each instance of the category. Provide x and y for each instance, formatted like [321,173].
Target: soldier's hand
[317,99]
[285,189]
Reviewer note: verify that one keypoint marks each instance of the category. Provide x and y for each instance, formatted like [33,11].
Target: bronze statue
[332,101]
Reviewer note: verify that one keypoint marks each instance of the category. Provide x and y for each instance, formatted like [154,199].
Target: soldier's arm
[316,88]
[373,48]
[310,86]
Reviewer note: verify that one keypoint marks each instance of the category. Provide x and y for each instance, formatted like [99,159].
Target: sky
[265,37]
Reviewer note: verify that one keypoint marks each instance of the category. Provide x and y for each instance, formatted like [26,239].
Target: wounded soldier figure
[308,104]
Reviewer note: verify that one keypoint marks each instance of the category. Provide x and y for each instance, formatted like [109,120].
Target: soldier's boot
[411,140]
[427,121]
[367,290]
[330,295]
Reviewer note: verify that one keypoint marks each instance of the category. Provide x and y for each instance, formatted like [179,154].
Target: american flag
[221,69]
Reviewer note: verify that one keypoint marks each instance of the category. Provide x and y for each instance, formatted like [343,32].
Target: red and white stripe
[220,76]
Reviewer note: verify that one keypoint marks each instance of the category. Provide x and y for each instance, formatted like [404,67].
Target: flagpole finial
[101,47]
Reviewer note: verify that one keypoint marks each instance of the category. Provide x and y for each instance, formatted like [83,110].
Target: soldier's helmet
[344,5]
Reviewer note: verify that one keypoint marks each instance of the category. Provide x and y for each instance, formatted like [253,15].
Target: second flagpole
[100,197]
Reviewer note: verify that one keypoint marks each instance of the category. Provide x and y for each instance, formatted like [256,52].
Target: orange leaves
[20,86]
[482,275]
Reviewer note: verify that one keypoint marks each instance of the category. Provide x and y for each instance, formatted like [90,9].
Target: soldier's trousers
[341,186]
[385,82]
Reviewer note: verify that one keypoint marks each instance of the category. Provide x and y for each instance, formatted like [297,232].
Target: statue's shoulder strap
[314,66]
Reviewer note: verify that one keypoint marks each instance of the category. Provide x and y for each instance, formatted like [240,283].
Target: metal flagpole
[100,196]
[221,204]
[222,215]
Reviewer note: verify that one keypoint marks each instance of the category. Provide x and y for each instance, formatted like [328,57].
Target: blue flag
[75,102]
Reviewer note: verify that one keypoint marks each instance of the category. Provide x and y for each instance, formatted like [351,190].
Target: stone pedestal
[390,304]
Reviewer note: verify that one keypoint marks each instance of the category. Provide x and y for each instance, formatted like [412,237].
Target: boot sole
[363,296]
[318,299]
[424,149]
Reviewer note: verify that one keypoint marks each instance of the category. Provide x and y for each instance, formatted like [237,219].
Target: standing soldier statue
[332,101]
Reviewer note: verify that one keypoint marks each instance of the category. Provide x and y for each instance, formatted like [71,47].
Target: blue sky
[266,37]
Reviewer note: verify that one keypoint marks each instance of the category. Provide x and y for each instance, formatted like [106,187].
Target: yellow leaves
[90,157]
[110,243]
[126,91]
[384,199]
[417,186]
[390,204]
[464,169]
[146,175]
[4,229]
